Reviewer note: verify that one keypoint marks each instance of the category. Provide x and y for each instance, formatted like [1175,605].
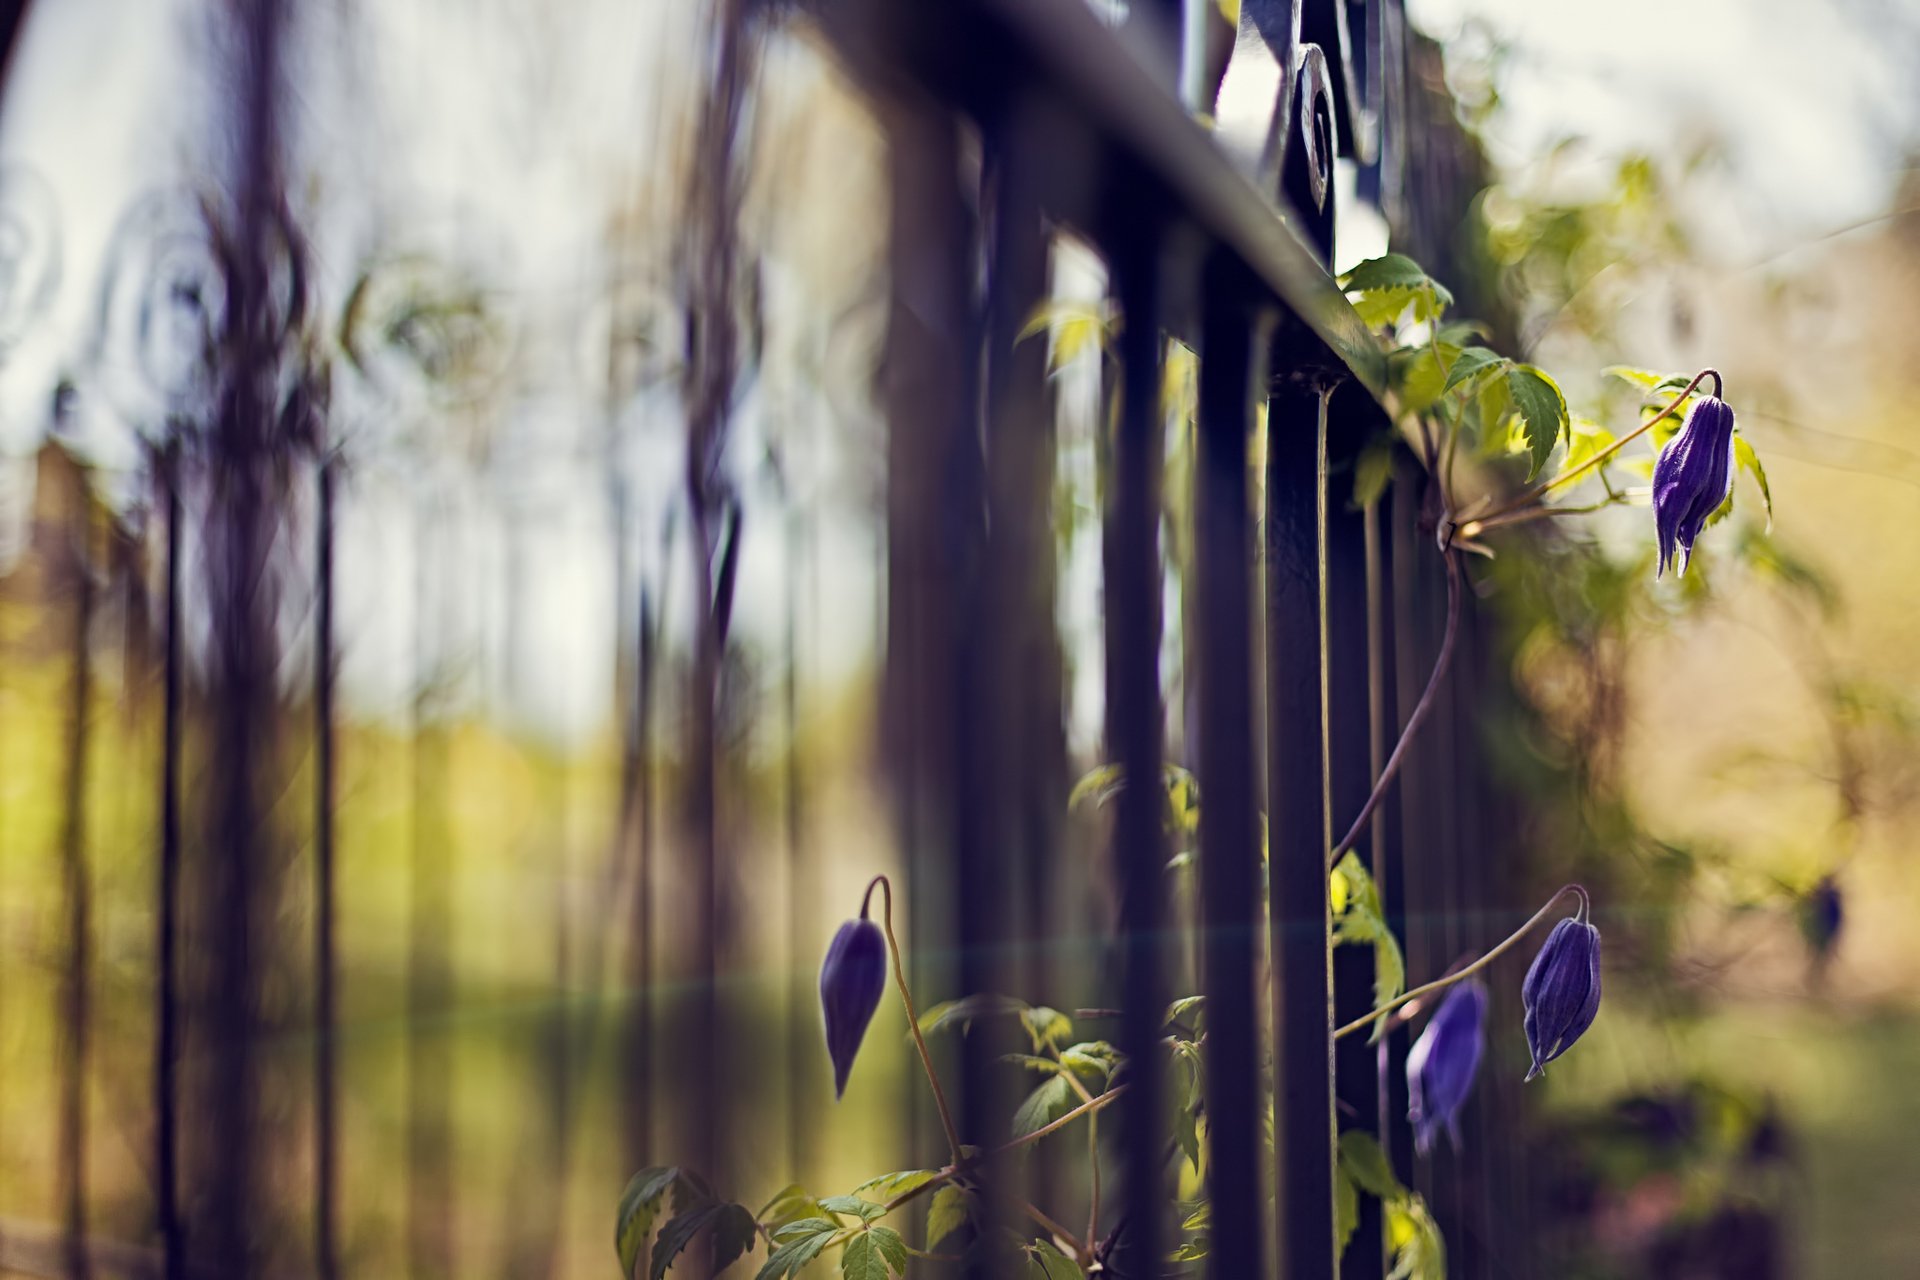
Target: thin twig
[1414,721]
[1360,1024]
[958,1167]
[906,998]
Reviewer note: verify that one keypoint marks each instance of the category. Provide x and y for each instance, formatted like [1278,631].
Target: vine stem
[1415,720]
[1470,527]
[1438,984]
[958,1167]
[906,998]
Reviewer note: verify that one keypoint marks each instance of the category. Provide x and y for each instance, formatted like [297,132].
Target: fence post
[1134,728]
[1299,941]
[1229,837]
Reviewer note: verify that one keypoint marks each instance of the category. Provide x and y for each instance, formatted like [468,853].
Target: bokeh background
[498,207]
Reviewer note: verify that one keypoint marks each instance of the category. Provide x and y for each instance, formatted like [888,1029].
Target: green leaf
[1346,1210]
[1048,1263]
[1392,281]
[891,1247]
[1043,1106]
[961,1013]
[790,1204]
[1372,472]
[678,1233]
[1419,1251]
[1201,1219]
[1749,462]
[1363,1161]
[1045,1026]
[1470,364]
[889,1185]
[1097,784]
[1418,375]
[733,1235]
[1646,379]
[948,1214]
[1360,918]
[639,1204]
[863,1259]
[865,1210]
[797,1244]
[1177,1011]
[1542,408]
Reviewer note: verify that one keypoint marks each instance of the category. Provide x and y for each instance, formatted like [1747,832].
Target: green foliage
[875,1254]
[1383,288]
[797,1244]
[1419,1252]
[947,1215]
[1543,411]
[1046,1262]
[732,1231]
[1360,918]
[639,1204]
[853,1206]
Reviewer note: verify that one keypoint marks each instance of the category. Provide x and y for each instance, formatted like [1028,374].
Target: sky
[1814,100]
[502,132]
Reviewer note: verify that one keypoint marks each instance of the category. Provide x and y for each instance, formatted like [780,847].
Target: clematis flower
[1443,1061]
[1822,914]
[851,980]
[1692,478]
[1562,991]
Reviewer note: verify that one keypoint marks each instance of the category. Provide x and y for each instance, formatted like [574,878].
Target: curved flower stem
[906,998]
[1567,477]
[1417,718]
[1360,1024]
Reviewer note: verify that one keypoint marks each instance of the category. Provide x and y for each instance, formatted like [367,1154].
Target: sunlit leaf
[951,1014]
[865,1210]
[1048,1263]
[1043,1106]
[1364,1162]
[889,1185]
[1470,364]
[1542,408]
[1046,1026]
[947,1215]
[1346,1210]
[796,1245]
[1749,462]
[639,1204]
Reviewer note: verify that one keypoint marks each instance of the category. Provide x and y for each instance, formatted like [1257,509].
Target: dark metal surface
[1229,835]
[1298,832]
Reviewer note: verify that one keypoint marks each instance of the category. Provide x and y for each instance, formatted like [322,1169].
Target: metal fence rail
[1080,119]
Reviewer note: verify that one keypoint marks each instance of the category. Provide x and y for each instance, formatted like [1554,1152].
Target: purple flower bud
[1822,914]
[1562,991]
[1442,1063]
[851,980]
[1692,478]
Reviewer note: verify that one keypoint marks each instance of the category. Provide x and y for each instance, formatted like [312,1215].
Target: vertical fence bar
[1135,722]
[167,1038]
[1350,780]
[1229,836]
[1384,842]
[1298,941]
[326,1145]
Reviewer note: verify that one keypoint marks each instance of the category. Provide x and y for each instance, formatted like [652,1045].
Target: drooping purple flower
[1822,914]
[1562,991]
[1692,478]
[851,980]
[1443,1061]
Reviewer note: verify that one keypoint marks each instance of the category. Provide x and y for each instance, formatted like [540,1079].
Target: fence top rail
[975,54]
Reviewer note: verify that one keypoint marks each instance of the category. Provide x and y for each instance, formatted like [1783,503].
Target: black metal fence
[1331,612]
